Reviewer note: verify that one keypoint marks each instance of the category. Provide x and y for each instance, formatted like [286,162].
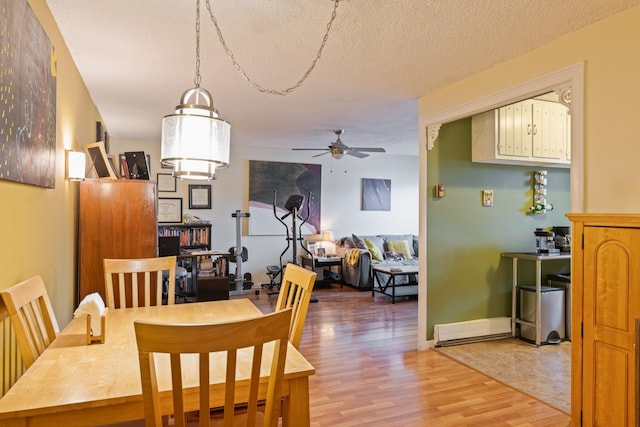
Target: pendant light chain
[197,78]
[237,66]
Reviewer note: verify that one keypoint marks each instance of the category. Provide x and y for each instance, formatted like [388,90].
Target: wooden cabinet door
[611,282]
[117,219]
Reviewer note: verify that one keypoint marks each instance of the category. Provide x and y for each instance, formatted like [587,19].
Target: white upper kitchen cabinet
[530,132]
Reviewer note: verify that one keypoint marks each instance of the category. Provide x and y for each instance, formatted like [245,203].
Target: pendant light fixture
[195,140]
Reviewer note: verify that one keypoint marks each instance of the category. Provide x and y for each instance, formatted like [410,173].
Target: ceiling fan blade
[357,154]
[321,154]
[369,150]
[310,149]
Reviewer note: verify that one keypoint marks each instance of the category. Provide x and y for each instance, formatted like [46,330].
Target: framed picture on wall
[166,182]
[170,209]
[199,196]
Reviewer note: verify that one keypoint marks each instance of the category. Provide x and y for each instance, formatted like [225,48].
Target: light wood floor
[368,371]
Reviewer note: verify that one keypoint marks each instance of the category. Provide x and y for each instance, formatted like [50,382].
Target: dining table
[73,383]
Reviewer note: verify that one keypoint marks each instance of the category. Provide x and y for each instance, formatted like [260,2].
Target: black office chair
[170,246]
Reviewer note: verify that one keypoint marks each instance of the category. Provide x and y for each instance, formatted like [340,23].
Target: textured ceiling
[138,56]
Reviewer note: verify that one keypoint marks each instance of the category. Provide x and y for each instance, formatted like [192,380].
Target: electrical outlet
[487,198]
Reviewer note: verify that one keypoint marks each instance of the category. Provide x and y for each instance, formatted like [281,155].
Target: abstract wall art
[27,97]
[376,194]
[286,179]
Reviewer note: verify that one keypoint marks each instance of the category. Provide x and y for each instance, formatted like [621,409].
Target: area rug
[542,372]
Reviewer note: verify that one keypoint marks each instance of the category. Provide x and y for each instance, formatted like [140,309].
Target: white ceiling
[137,57]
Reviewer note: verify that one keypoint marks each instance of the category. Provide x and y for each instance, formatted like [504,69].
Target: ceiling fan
[338,149]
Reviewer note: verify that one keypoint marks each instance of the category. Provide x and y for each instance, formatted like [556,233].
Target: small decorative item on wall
[170,209]
[287,179]
[199,196]
[102,135]
[376,194]
[28,71]
[166,182]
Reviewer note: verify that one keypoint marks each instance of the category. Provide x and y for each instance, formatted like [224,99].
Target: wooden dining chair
[295,293]
[31,317]
[132,293]
[251,335]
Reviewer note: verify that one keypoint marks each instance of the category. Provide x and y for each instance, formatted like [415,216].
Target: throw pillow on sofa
[401,247]
[408,237]
[358,242]
[376,255]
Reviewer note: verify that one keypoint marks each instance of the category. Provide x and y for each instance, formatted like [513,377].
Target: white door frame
[569,84]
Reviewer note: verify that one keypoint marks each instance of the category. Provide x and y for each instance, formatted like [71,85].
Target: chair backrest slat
[295,293]
[204,339]
[31,317]
[127,272]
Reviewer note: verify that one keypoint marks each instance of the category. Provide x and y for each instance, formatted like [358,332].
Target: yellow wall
[611,94]
[38,225]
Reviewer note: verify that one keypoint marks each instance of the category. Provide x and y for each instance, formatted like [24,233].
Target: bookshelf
[207,275]
[192,236]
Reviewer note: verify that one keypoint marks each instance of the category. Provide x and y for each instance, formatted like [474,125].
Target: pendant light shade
[195,141]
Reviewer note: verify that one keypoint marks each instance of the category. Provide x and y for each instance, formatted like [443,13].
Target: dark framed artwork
[28,71]
[138,165]
[166,182]
[376,194]
[199,196]
[170,209]
[286,179]
[102,135]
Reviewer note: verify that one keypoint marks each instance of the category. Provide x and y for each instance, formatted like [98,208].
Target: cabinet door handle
[528,129]
[535,129]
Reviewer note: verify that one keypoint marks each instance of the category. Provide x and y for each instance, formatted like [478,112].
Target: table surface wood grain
[78,384]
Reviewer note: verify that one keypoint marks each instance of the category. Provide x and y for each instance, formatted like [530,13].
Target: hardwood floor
[368,371]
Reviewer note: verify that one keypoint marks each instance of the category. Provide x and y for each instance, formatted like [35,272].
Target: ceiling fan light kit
[338,149]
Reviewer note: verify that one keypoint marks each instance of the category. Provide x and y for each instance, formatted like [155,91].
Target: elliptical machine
[292,205]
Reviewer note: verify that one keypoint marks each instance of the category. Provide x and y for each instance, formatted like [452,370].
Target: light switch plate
[487,198]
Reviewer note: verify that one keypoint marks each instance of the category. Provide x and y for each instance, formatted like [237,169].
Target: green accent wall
[467,278]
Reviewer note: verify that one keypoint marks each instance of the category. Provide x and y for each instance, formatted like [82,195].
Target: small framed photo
[321,252]
[170,209]
[99,161]
[312,248]
[166,182]
[199,196]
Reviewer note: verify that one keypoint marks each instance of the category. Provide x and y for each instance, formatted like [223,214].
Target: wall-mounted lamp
[75,165]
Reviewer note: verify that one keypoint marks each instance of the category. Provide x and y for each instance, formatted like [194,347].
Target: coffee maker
[545,242]
[562,239]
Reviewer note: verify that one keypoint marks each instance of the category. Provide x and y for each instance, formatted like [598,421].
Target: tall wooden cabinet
[606,295]
[117,219]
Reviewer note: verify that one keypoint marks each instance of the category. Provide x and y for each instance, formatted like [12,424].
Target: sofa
[361,252]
